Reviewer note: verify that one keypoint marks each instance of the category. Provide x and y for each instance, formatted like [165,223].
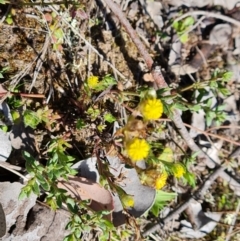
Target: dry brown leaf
[83,189]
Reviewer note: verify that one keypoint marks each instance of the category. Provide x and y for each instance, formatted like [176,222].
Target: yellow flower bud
[161,181]
[92,82]
[178,170]
[153,178]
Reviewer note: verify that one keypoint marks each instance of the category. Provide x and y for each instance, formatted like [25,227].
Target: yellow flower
[178,170]
[137,149]
[127,201]
[151,108]
[153,178]
[161,181]
[92,82]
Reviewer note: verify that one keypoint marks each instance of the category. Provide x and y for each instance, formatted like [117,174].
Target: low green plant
[182,26]
[42,115]
[132,143]
[3,71]
[44,179]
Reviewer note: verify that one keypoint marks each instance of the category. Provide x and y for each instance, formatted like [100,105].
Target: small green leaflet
[160,201]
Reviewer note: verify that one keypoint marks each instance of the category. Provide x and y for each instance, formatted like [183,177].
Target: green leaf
[72,206]
[4,1]
[221,107]
[27,156]
[70,237]
[58,33]
[184,38]
[25,191]
[209,102]
[227,76]
[160,199]
[31,119]
[9,20]
[22,195]
[180,106]
[175,25]
[195,107]
[29,168]
[189,21]
[43,181]
[167,155]
[52,203]
[45,186]
[190,179]
[108,80]
[224,91]
[77,219]
[80,124]
[213,84]
[59,172]
[1,76]
[35,188]
[109,118]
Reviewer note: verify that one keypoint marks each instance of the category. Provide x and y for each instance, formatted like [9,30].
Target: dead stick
[24,95]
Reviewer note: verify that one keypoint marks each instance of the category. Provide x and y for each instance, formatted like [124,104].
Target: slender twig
[209,14]
[23,95]
[206,132]
[222,127]
[213,135]
[12,169]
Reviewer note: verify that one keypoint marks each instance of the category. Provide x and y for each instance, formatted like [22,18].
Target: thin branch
[206,132]
[213,135]
[13,169]
[222,127]
[209,14]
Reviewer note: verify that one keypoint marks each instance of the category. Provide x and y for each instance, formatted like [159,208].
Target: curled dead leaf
[83,189]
